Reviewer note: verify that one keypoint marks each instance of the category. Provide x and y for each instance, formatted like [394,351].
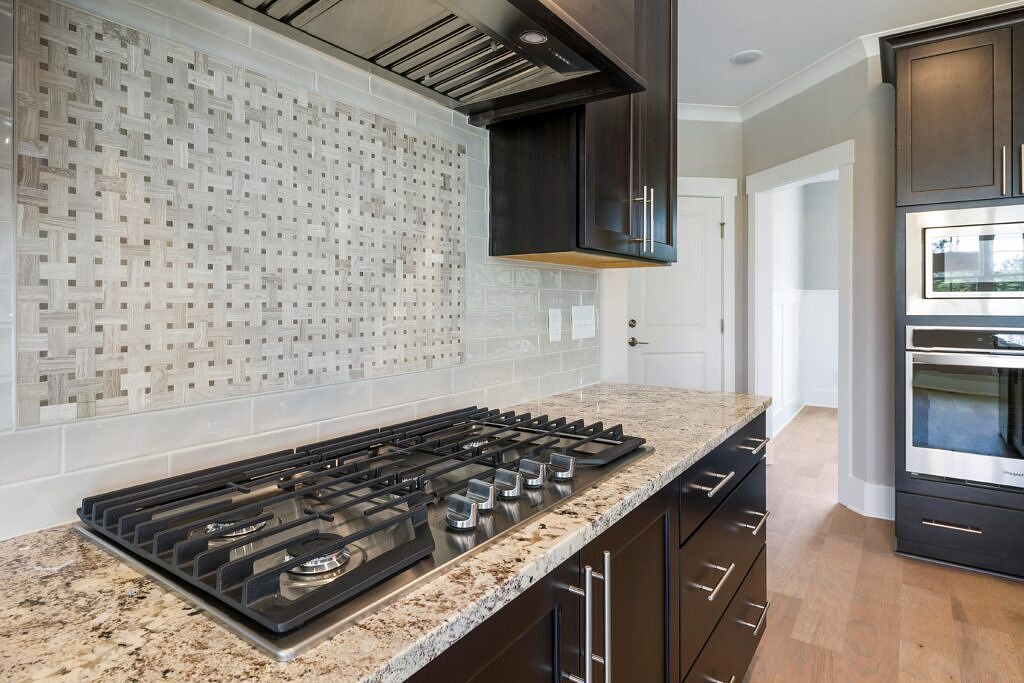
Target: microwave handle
[970,360]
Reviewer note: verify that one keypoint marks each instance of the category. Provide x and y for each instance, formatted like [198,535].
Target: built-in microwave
[966,261]
[965,405]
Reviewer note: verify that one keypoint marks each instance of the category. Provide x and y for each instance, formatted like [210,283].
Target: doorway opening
[805,297]
[800,224]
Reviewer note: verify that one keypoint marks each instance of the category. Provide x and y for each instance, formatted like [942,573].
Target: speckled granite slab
[69,611]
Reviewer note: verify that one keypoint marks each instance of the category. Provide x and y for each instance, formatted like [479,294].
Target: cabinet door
[643,593]
[657,107]
[534,639]
[611,206]
[953,119]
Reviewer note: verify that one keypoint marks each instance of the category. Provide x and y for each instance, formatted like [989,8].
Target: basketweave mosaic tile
[191,230]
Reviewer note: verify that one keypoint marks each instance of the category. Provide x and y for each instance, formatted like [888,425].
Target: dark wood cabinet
[534,639]
[954,119]
[641,563]
[595,185]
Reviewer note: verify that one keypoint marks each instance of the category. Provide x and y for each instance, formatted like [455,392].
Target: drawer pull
[760,620]
[712,679]
[756,528]
[754,450]
[713,592]
[952,527]
[712,490]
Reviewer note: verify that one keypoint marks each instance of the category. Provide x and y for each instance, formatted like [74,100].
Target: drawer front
[965,533]
[731,648]
[715,560]
[704,486]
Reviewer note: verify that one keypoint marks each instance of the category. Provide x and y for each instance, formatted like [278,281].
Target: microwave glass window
[968,409]
[964,263]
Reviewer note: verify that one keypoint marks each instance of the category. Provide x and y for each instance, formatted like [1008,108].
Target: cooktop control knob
[563,467]
[462,513]
[481,493]
[508,483]
[534,473]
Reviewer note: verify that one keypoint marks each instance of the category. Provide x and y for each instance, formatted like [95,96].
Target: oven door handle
[971,360]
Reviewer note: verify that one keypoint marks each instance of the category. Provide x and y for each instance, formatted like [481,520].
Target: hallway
[845,608]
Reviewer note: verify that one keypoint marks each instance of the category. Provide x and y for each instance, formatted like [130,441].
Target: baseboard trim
[875,500]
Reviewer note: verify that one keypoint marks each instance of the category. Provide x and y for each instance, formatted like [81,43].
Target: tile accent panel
[191,229]
[45,471]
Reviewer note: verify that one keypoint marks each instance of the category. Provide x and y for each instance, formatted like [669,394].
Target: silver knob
[481,493]
[563,467]
[462,512]
[508,483]
[534,473]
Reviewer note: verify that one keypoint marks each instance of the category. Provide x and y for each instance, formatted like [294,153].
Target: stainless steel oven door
[964,417]
[966,261]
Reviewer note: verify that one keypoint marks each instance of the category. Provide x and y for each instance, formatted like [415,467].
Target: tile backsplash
[490,314]
[190,229]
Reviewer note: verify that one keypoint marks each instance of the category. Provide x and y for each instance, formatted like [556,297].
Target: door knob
[632,321]
[633,341]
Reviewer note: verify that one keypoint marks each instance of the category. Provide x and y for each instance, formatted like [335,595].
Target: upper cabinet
[595,185]
[959,95]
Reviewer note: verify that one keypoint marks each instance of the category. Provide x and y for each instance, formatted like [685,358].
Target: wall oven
[966,261]
[965,405]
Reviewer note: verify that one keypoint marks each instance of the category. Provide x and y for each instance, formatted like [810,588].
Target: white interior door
[678,308]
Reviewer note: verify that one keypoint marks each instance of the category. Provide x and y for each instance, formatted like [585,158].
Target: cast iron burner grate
[285,537]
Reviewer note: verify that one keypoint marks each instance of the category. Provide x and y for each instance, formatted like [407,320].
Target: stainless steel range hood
[489,59]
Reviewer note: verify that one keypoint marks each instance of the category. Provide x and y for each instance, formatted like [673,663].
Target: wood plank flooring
[845,608]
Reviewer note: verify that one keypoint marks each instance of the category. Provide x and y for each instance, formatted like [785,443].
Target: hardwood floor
[844,608]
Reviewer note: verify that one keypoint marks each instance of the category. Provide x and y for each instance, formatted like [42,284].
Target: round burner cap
[328,561]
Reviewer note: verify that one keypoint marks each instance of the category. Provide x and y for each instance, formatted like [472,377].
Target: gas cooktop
[287,547]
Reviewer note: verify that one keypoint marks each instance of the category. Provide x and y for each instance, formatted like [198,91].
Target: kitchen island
[68,609]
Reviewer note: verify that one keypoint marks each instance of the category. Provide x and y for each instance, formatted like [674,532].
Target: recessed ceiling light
[746,56]
[532,37]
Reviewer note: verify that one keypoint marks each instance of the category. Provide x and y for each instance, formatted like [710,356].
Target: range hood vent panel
[467,53]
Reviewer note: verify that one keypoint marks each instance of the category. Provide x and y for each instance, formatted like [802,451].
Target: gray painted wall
[820,236]
[853,104]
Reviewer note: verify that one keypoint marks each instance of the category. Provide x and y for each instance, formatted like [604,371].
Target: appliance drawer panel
[708,482]
[715,560]
[985,537]
[731,647]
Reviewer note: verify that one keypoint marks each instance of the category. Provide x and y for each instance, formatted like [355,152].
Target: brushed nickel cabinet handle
[1021,171]
[712,679]
[652,219]
[712,490]
[756,528]
[760,621]
[606,578]
[1004,169]
[952,527]
[754,450]
[587,593]
[643,239]
[713,591]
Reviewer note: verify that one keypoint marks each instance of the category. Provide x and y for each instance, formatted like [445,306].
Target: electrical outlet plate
[584,322]
[554,324]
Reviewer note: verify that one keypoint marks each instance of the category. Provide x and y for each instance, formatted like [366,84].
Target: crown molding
[708,112]
[850,54]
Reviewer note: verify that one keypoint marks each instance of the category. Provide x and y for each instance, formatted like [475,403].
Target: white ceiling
[792,33]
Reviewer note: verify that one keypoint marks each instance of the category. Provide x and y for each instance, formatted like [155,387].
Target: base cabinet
[644,597]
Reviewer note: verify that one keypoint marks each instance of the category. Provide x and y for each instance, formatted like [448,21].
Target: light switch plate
[584,322]
[554,324]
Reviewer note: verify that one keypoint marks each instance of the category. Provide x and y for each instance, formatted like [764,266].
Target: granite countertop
[70,611]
